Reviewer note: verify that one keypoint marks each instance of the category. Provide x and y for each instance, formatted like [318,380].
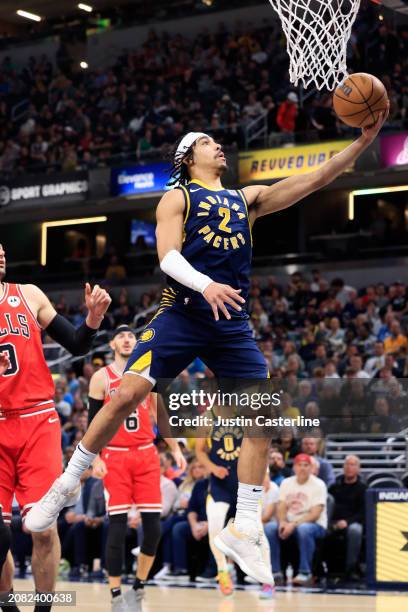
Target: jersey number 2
[11,351]
[226,214]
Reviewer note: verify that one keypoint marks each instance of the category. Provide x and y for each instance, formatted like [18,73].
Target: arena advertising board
[387,538]
[37,189]
[394,150]
[134,180]
[286,161]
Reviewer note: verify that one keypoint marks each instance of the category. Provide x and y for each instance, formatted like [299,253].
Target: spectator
[287,113]
[396,340]
[349,512]
[277,469]
[302,515]
[374,364]
[309,446]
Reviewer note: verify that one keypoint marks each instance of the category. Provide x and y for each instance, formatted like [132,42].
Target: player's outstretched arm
[169,234]
[77,341]
[264,200]
[95,402]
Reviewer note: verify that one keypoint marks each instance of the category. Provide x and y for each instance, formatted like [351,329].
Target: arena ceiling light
[83,65]
[374,191]
[85,7]
[28,15]
[45,226]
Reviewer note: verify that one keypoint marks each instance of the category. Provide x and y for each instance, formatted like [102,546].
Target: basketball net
[317,33]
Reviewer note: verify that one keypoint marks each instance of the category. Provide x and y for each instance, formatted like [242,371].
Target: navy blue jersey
[217,240]
[225,445]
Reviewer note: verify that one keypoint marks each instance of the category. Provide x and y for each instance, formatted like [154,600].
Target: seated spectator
[83,540]
[382,421]
[374,364]
[310,447]
[195,472]
[301,515]
[349,511]
[115,272]
[319,360]
[192,534]
[167,487]
[277,469]
[396,340]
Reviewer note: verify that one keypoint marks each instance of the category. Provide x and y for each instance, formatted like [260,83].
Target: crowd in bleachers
[329,343]
[217,82]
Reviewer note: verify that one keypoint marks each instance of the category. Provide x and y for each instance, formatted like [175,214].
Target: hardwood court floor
[92,597]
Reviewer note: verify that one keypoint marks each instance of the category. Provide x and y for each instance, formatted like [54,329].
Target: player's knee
[44,540]
[151,533]
[125,400]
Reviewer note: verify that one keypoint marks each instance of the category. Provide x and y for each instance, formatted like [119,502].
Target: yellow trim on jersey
[197,182]
[187,213]
[241,193]
[143,362]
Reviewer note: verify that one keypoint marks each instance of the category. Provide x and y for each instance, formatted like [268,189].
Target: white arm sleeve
[177,266]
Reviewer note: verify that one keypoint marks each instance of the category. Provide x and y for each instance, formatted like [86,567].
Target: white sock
[79,462]
[248,502]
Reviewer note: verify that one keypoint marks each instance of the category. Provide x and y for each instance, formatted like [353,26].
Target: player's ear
[112,345]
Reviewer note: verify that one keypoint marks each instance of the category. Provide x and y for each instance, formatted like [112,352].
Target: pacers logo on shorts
[147,335]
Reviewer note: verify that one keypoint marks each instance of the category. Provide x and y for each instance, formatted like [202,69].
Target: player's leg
[217,512]
[114,557]
[39,463]
[235,355]
[147,495]
[45,560]
[165,353]
[8,460]
[118,495]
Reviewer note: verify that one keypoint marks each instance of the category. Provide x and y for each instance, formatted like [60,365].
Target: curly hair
[179,174]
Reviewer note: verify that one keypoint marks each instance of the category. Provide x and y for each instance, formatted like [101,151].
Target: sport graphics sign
[34,190]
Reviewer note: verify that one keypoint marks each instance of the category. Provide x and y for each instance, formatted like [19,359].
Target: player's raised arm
[77,341]
[264,200]
[169,234]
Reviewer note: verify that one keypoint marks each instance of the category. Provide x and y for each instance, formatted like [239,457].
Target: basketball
[360,99]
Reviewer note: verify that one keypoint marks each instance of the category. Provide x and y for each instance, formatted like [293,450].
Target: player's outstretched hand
[99,468]
[179,459]
[4,363]
[217,295]
[370,132]
[97,301]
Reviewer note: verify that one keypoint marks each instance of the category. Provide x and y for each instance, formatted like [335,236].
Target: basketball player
[219,453]
[30,433]
[204,246]
[130,467]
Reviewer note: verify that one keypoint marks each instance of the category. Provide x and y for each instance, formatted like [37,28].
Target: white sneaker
[165,571]
[45,512]
[246,550]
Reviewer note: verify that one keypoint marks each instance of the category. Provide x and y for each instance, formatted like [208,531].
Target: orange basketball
[360,99]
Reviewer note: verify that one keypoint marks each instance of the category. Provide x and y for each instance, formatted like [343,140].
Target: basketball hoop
[317,33]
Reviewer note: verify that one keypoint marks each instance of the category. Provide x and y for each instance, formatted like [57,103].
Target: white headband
[188,140]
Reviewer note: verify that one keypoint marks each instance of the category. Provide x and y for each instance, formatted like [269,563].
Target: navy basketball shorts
[179,334]
[224,490]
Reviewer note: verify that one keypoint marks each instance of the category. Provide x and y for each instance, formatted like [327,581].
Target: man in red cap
[302,514]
